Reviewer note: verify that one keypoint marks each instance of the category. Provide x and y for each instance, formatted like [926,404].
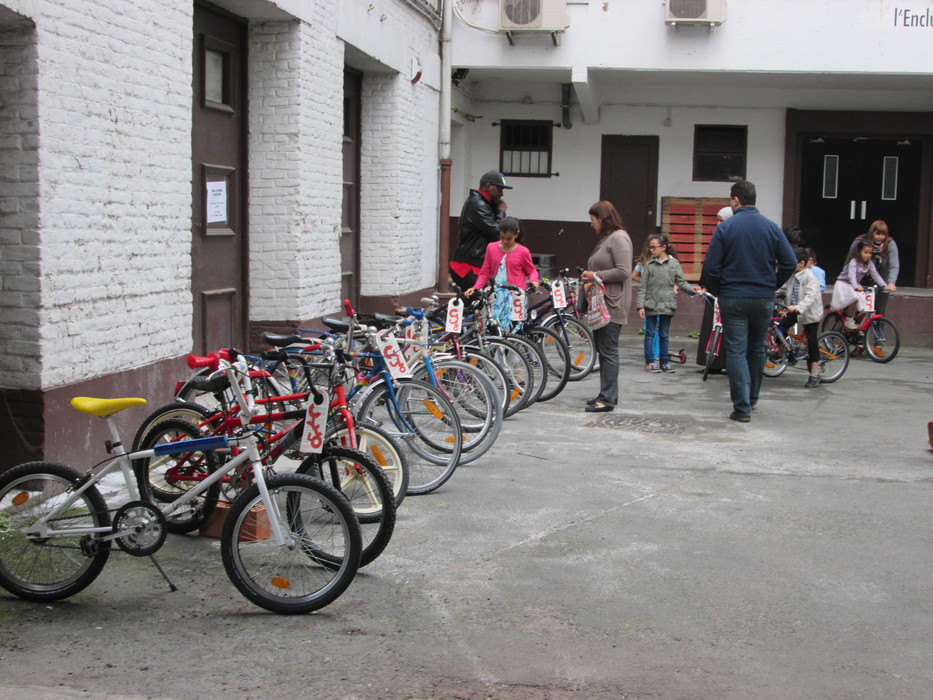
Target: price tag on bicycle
[312,437]
[416,337]
[869,303]
[558,294]
[454,322]
[392,355]
[518,305]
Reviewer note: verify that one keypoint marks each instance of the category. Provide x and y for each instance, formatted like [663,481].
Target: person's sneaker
[812,382]
[665,367]
[740,417]
[850,324]
[655,366]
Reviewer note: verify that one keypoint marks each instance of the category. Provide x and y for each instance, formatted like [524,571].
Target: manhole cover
[644,424]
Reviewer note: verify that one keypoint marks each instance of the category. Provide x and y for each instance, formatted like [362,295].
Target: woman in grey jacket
[657,300]
[611,265]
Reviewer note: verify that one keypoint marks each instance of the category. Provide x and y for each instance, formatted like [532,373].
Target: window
[525,148]
[719,152]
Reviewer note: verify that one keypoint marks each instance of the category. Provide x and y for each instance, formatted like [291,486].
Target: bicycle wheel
[379,446]
[712,351]
[831,322]
[518,370]
[556,357]
[191,412]
[580,342]
[365,487]
[834,356]
[775,355]
[166,478]
[315,565]
[425,422]
[536,363]
[477,402]
[882,340]
[53,567]
[485,364]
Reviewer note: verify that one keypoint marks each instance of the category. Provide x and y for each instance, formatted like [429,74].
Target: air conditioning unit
[708,12]
[533,15]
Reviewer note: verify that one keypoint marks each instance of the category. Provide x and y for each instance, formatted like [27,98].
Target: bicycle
[290,543]
[874,333]
[791,350]
[714,342]
[552,313]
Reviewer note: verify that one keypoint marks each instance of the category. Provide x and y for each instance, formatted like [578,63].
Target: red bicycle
[872,332]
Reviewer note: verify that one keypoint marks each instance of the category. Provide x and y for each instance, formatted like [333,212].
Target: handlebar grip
[348,307]
[212,361]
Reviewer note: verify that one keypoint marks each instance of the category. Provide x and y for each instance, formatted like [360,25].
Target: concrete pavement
[658,551]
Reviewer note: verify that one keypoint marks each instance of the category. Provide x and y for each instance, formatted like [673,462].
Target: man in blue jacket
[748,259]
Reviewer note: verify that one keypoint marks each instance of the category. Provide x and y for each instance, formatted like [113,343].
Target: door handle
[852,210]
[863,209]
[651,212]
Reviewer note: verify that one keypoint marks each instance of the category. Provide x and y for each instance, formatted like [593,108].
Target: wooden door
[219,236]
[629,179]
[847,183]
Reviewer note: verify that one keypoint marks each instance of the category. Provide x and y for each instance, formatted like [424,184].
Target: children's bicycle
[791,350]
[290,543]
[714,342]
[869,331]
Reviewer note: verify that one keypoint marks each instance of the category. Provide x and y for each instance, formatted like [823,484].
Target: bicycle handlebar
[211,361]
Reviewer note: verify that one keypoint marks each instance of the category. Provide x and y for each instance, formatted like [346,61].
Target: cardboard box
[256,526]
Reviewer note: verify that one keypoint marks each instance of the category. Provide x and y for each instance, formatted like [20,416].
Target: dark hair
[745,191]
[663,240]
[859,247]
[879,226]
[513,225]
[609,219]
[812,254]
[794,235]
[802,254]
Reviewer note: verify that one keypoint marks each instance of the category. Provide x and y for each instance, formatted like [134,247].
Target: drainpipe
[444,147]
[565,105]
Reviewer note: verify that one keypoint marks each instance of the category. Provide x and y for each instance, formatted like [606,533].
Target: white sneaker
[850,324]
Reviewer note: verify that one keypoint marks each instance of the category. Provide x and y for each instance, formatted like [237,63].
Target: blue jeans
[745,322]
[657,327]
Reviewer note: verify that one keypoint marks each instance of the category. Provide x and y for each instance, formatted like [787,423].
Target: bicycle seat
[104,407]
[283,341]
[335,324]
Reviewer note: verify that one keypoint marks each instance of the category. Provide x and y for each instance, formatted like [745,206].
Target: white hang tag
[558,294]
[870,301]
[312,437]
[454,321]
[392,355]
[416,342]
[518,305]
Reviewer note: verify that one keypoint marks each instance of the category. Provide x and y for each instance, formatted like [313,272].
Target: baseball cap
[494,178]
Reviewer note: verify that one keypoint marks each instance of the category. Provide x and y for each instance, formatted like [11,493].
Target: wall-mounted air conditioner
[533,15]
[708,12]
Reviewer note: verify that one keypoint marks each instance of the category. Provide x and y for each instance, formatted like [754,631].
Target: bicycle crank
[140,528]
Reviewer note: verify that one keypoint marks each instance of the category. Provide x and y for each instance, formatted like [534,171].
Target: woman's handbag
[597,313]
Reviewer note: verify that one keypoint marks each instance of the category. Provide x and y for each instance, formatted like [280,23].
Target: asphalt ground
[659,551]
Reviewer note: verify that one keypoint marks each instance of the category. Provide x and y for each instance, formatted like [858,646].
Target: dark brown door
[219,243]
[847,183]
[350,219]
[629,179]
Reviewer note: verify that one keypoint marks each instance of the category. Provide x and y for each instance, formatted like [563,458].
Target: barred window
[719,152]
[525,147]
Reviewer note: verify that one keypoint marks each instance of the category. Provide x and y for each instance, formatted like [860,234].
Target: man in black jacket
[479,226]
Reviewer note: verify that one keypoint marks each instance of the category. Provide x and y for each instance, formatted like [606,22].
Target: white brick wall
[19,251]
[115,168]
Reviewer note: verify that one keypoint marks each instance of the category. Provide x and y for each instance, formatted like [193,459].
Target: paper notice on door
[217,202]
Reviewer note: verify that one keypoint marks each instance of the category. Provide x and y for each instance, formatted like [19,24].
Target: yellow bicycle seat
[104,407]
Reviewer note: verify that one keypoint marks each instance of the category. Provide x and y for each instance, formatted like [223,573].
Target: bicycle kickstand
[171,586]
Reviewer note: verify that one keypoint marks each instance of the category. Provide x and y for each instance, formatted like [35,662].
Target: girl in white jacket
[804,306]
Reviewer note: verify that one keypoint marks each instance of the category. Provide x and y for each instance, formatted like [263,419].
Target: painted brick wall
[19,250]
[115,164]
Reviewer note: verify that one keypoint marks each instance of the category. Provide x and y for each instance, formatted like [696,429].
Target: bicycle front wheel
[366,489]
[319,559]
[556,358]
[712,351]
[579,339]
[834,356]
[882,340]
[379,446]
[775,355]
[55,566]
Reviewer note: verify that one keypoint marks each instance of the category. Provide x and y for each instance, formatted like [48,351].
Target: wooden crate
[256,526]
[689,223]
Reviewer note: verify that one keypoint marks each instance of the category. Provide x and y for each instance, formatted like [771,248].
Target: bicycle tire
[167,478]
[478,404]
[775,355]
[485,364]
[712,351]
[185,410]
[516,368]
[878,340]
[536,363]
[56,567]
[556,356]
[292,579]
[379,446]
[580,342]
[366,488]
[427,424]
[834,356]
[831,322]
